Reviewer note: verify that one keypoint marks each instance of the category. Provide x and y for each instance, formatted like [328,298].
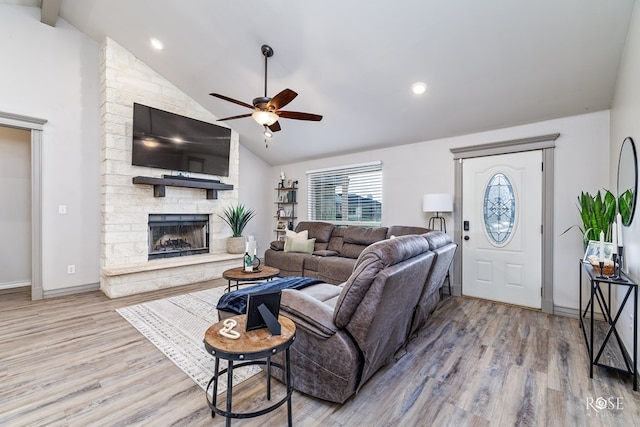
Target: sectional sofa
[346,332]
[334,252]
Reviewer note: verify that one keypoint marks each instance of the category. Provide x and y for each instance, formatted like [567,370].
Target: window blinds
[346,195]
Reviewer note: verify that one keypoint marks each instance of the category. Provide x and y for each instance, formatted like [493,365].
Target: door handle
[466,237]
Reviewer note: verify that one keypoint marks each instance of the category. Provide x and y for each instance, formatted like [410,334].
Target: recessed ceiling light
[419,88]
[156,43]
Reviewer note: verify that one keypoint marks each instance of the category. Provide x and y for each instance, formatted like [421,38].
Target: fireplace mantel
[159,184]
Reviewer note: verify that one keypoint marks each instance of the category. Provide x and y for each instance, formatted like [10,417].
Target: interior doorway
[15,211]
[34,126]
[546,145]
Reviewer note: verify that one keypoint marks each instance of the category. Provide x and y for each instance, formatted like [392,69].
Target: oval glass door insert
[499,209]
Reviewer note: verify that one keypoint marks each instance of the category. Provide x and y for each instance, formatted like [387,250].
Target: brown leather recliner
[345,333]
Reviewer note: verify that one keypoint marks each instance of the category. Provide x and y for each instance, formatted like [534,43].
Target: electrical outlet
[71,269]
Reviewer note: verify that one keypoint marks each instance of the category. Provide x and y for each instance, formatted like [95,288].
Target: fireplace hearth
[174,235]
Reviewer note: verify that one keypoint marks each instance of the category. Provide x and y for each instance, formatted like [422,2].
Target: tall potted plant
[237,217]
[598,213]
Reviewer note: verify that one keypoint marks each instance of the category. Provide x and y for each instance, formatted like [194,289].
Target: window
[346,196]
[499,209]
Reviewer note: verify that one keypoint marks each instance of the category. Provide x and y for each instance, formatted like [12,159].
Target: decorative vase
[235,245]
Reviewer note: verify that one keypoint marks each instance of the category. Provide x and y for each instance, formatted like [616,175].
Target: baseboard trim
[566,311]
[11,285]
[53,293]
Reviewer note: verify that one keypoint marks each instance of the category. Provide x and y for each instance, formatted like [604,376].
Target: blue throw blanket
[236,301]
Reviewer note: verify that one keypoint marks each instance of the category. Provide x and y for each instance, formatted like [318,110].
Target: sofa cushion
[335,269]
[304,234]
[437,239]
[337,239]
[321,231]
[325,252]
[403,230]
[374,259]
[299,245]
[364,235]
[289,263]
[277,245]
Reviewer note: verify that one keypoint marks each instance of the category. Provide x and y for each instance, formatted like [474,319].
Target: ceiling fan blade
[282,99]
[235,117]
[235,101]
[275,127]
[299,116]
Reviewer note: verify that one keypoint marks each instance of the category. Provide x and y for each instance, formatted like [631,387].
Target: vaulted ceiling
[488,64]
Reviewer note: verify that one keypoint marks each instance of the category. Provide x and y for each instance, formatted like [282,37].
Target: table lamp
[437,202]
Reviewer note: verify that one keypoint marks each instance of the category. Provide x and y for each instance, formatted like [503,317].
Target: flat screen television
[169,141]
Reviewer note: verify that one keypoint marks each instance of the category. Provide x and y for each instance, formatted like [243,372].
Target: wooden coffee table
[252,348]
[239,276]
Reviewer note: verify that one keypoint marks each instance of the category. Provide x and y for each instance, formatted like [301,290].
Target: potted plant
[237,217]
[598,213]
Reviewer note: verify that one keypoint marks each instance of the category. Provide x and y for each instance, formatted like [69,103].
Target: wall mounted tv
[170,141]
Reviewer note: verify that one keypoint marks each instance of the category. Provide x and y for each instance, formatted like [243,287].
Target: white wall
[625,121]
[52,73]
[412,170]
[255,192]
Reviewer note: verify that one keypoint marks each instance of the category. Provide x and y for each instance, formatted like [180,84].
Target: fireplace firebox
[173,235]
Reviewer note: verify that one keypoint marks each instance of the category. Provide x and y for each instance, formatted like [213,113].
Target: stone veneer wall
[125,268]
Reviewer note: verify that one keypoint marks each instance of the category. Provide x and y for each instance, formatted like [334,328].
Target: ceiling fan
[267,111]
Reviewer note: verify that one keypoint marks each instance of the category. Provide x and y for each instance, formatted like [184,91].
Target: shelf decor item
[285,205]
[237,217]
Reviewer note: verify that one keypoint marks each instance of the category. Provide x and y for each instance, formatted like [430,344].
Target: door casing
[34,125]
[545,143]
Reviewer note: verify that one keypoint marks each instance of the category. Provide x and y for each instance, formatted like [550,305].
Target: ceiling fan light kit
[267,110]
[265,118]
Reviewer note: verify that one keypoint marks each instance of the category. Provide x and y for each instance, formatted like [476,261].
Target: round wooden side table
[239,276]
[250,349]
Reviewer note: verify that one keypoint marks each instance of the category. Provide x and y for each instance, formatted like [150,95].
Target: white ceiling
[488,64]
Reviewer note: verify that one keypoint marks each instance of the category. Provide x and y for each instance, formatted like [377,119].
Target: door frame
[35,126]
[544,143]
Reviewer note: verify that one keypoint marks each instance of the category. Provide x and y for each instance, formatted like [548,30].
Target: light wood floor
[74,361]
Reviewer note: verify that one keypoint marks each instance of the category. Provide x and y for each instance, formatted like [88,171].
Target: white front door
[502,228]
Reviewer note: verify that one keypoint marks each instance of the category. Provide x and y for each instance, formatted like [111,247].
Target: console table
[603,334]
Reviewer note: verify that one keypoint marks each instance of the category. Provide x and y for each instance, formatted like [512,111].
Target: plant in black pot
[237,217]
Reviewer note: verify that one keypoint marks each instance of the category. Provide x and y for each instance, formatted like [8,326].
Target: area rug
[176,326]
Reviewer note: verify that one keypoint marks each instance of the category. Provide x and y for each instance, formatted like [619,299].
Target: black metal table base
[240,282]
[596,295]
[228,412]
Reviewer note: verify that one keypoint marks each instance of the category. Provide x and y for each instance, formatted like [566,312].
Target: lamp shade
[437,202]
[265,118]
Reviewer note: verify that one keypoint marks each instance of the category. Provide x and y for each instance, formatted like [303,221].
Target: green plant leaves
[237,218]
[597,213]
[625,202]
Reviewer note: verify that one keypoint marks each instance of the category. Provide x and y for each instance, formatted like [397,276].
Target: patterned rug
[176,326]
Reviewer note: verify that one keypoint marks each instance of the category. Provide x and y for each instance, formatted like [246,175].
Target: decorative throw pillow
[304,234]
[299,245]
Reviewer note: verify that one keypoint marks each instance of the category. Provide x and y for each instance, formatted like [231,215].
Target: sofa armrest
[277,245]
[308,313]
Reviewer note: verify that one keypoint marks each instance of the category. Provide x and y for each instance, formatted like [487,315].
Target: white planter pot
[235,245]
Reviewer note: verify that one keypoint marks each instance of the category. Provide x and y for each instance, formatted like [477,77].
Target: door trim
[545,143]
[34,125]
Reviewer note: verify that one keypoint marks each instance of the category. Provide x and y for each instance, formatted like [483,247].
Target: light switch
[62,209]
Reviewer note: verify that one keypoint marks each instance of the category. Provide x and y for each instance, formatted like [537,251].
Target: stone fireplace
[133,258]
